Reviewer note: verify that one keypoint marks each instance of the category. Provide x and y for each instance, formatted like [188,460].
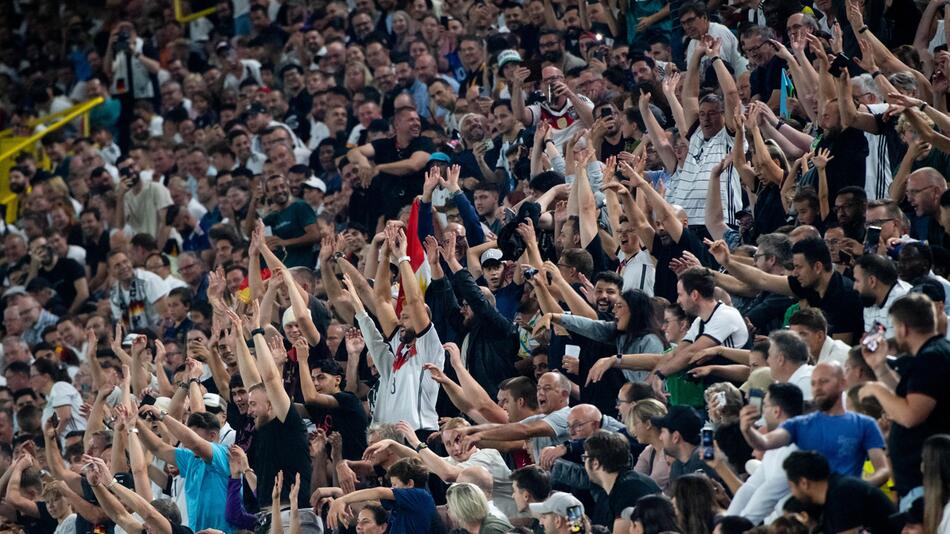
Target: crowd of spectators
[469,266]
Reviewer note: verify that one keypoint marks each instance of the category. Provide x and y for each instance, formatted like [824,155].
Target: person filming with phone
[563,110]
[911,390]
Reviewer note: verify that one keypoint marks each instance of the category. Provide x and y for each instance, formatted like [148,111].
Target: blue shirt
[206,487]
[843,439]
[411,512]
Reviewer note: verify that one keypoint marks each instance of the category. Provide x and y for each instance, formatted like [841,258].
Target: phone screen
[707,444]
[871,239]
[755,398]
[576,518]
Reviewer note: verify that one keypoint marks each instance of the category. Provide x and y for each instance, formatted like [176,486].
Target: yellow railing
[64,117]
[183,18]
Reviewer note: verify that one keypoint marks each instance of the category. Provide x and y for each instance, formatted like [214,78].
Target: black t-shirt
[97,250]
[349,419]
[841,303]
[627,490]
[85,527]
[281,446]
[44,524]
[243,425]
[665,283]
[767,78]
[852,503]
[927,373]
[850,150]
[398,191]
[62,278]
[769,212]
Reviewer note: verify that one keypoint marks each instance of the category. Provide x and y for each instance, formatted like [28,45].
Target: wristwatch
[421,445]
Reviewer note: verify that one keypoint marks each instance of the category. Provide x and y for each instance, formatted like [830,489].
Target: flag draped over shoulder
[417,256]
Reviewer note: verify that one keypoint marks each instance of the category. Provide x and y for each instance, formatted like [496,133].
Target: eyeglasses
[878,222]
[621,401]
[688,20]
[584,457]
[578,425]
[915,192]
[757,256]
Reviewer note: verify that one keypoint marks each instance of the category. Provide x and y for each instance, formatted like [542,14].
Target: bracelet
[618,361]
[421,445]
[863,29]
[922,106]
[660,375]
[714,58]
[546,141]
[113,483]
[875,74]
[133,430]
[184,384]
[257,331]
[779,124]
[161,415]
[402,259]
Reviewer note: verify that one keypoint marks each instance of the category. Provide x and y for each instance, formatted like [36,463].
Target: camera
[529,273]
[535,97]
[122,41]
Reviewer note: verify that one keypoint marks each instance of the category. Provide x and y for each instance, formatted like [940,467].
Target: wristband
[421,445]
[660,375]
[714,58]
[546,141]
[875,74]
[184,384]
[922,106]
[619,360]
[257,331]
[863,29]
[402,259]
[113,483]
[779,124]
[161,415]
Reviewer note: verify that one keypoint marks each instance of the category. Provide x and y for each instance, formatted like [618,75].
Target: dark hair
[610,277]
[880,267]
[409,469]
[809,465]
[656,513]
[183,294]
[50,368]
[695,502]
[501,102]
[698,279]
[915,311]
[734,524]
[534,480]
[519,387]
[93,211]
[380,515]
[642,320]
[610,449]
[204,421]
[815,250]
[788,397]
[17,367]
[790,345]
[810,318]
[856,360]
[330,367]
[697,8]
[859,194]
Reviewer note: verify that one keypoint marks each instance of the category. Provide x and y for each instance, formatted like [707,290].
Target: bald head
[479,476]
[924,187]
[583,420]
[803,232]
[831,369]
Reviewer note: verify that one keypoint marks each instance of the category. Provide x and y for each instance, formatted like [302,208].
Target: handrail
[44,119]
[182,18]
[76,111]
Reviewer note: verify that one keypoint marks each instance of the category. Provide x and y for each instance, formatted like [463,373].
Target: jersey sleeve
[873,438]
[723,324]
[430,347]
[693,331]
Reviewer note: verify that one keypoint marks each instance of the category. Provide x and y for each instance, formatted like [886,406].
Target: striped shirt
[688,187]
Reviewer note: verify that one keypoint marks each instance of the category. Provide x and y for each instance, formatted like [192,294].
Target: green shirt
[289,223]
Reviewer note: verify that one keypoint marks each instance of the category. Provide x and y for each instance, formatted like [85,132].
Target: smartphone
[575,519]
[534,65]
[871,239]
[489,144]
[709,450]
[268,231]
[841,62]
[573,351]
[54,420]
[756,396]
[720,399]
[874,337]
[147,400]
[845,257]
[606,111]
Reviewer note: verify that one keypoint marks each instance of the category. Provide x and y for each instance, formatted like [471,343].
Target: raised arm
[662,210]
[656,133]
[726,83]
[414,303]
[246,366]
[747,273]
[690,99]
[270,375]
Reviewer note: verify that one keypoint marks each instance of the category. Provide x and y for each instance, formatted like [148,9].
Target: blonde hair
[467,503]
[453,423]
[643,410]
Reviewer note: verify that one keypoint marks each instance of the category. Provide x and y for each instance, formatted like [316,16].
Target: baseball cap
[492,255]
[315,183]
[212,400]
[929,287]
[557,503]
[222,45]
[507,56]
[682,419]
[255,108]
[440,156]
[911,516]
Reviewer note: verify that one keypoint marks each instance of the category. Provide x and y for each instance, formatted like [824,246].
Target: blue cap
[440,156]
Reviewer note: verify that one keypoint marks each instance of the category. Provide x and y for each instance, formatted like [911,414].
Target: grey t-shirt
[556,420]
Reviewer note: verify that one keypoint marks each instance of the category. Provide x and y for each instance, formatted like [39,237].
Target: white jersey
[725,326]
[406,391]
[637,271]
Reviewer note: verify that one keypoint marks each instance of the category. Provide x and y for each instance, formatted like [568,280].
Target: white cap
[491,254]
[556,503]
[315,183]
[212,400]
[289,317]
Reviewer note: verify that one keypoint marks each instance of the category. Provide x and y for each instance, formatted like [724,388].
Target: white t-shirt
[725,326]
[802,378]
[406,391]
[556,420]
[64,394]
[492,460]
[689,186]
[638,272]
[564,122]
[141,208]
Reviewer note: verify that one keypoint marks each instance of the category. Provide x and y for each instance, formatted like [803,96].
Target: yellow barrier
[181,17]
[67,116]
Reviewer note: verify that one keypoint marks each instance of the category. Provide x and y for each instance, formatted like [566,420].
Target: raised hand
[599,368]
[354,341]
[278,486]
[822,158]
[719,250]
[455,354]
[451,182]
[671,82]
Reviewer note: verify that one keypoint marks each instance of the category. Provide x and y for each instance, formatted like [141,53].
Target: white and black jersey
[725,326]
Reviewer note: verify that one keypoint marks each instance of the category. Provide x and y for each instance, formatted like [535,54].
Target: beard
[867,299]
[17,188]
[407,336]
[826,403]
[554,57]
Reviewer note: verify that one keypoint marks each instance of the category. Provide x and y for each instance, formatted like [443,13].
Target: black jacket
[493,339]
